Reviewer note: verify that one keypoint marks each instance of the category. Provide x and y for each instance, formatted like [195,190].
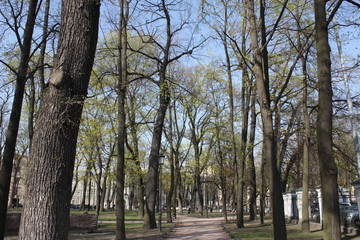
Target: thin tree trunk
[328,168]
[13,127]
[251,161]
[14,182]
[83,199]
[243,145]
[31,118]
[87,184]
[98,196]
[170,195]
[46,209]
[305,220]
[262,187]
[134,149]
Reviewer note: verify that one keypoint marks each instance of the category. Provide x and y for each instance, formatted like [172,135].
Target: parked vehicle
[350,215]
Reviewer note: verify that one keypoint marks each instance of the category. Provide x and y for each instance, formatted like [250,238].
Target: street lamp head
[356,184]
[161,158]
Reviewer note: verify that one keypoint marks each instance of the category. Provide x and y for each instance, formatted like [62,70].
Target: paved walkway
[191,228]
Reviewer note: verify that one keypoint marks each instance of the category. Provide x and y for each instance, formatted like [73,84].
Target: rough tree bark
[328,168]
[46,209]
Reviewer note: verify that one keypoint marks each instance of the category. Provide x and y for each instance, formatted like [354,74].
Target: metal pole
[207,199]
[160,183]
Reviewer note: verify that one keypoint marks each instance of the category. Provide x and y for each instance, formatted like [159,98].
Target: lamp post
[206,196]
[161,158]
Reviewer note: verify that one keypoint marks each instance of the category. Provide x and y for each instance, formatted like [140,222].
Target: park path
[191,228]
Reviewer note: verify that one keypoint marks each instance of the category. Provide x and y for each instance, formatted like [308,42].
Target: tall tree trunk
[152,178]
[305,220]
[121,91]
[328,168]
[164,95]
[170,195]
[251,171]
[13,127]
[243,146]
[46,208]
[234,159]
[279,227]
[134,149]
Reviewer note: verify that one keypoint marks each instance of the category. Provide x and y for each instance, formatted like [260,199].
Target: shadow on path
[191,228]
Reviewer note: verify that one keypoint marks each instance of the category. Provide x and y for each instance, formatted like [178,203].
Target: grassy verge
[133,228]
[255,231]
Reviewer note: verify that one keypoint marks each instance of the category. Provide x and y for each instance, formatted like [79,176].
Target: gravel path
[191,228]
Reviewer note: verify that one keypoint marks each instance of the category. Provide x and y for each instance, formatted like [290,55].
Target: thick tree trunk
[328,168]
[13,127]
[164,95]
[150,221]
[46,209]
[152,177]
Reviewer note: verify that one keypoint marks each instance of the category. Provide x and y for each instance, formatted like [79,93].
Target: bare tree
[165,56]
[262,81]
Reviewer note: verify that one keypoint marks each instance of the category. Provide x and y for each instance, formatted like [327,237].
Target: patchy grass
[213,214]
[133,228]
[255,231]
[129,216]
